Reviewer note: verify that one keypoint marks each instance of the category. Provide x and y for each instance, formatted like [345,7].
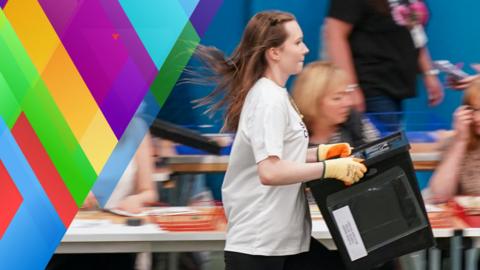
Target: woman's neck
[321,132]
[276,76]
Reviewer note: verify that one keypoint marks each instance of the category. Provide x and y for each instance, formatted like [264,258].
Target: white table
[103,236]
[118,238]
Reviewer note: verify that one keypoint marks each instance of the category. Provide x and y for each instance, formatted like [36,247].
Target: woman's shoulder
[263,85]
[267,92]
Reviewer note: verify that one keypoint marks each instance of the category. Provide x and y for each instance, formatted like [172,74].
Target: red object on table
[470,215]
[212,219]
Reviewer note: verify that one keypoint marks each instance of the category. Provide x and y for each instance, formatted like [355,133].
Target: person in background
[136,188]
[269,224]
[323,96]
[459,168]
[133,192]
[381,45]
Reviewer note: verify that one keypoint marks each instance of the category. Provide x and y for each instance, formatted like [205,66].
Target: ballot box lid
[383,148]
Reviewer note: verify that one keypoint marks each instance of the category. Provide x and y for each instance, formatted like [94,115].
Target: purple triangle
[203,15]
[3,3]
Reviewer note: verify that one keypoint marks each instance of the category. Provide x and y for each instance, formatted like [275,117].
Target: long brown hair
[472,95]
[236,74]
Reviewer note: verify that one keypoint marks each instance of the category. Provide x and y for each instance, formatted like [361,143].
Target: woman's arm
[145,191]
[338,47]
[337,33]
[432,84]
[444,182]
[312,155]
[145,186]
[275,172]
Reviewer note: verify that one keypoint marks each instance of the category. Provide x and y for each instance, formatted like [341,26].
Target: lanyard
[416,30]
[295,107]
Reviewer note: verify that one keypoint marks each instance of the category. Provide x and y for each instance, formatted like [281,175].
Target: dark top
[356,131]
[384,55]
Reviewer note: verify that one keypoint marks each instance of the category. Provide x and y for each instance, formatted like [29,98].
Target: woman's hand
[335,150]
[462,119]
[358,100]
[349,170]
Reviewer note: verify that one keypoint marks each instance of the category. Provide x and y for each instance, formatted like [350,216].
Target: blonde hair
[472,93]
[315,81]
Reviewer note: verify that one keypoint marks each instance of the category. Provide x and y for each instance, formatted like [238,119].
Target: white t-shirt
[266,220]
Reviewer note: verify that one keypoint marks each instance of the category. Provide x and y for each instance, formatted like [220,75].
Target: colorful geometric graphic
[10,199]
[80,84]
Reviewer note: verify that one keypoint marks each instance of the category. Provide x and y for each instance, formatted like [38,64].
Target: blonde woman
[323,96]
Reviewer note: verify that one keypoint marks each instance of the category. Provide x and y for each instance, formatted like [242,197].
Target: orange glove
[336,150]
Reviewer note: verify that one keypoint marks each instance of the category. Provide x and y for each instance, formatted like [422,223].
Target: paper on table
[88,223]
[172,211]
[431,208]
[468,201]
[157,211]
[101,226]
[127,214]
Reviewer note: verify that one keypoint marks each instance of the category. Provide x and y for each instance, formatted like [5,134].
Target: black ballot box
[382,216]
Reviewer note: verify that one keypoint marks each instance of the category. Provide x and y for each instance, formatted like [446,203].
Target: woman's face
[335,105]
[293,50]
[475,106]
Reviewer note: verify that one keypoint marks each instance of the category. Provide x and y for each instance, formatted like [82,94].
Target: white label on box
[349,231]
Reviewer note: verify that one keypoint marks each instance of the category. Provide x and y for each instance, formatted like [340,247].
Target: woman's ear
[273,54]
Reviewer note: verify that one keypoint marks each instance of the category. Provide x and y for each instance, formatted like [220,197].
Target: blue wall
[454,34]
[453,30]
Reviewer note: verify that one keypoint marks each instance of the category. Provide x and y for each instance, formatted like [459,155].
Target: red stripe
[10,199]
[45,170]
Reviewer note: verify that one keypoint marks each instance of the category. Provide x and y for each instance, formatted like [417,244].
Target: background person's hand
[349,170]
[358,100]
[434,90]
[462,119]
